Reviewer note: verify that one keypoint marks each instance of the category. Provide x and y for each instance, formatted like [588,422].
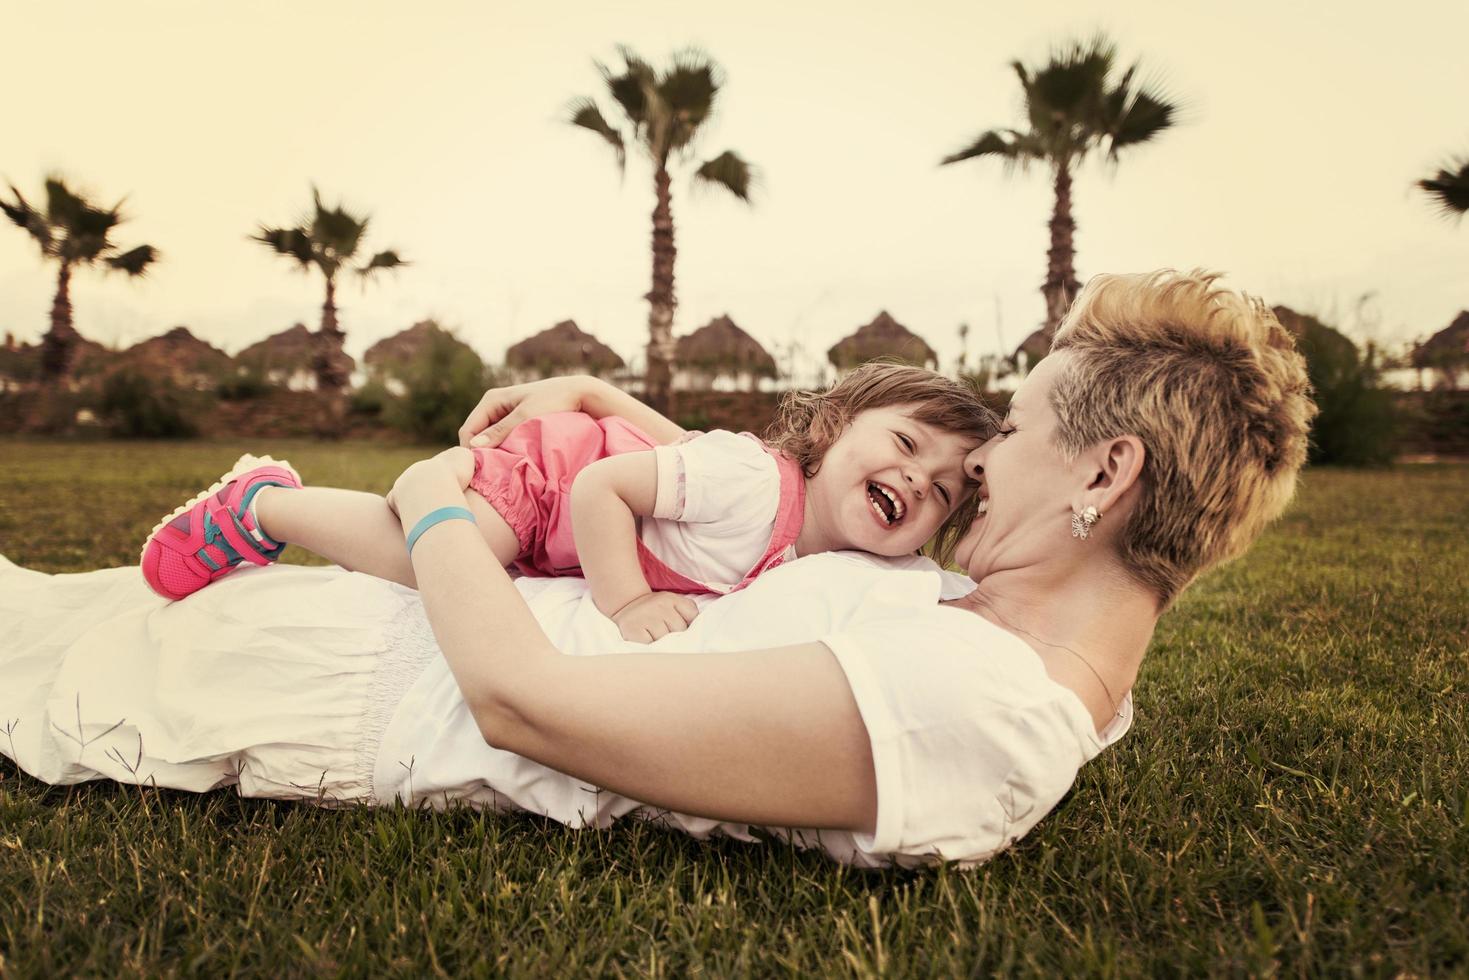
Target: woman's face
[1025,485]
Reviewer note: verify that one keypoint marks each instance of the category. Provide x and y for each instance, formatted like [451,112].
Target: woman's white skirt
[99,678]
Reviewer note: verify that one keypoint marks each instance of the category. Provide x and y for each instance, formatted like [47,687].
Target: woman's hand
[425,486]
[502,409]
[653,616]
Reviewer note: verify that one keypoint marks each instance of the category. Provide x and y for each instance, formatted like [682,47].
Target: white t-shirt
[718,493]
[972,742]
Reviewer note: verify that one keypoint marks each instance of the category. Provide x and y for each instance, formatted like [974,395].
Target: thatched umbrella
[1314,337]
[1446,352]
[720,349]
[562,349]
[283,358]
[1031,350]
[178,356]
[389,359]
[884,338]
[391,354]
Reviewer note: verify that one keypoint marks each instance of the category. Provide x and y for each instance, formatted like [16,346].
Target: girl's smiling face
[885,485]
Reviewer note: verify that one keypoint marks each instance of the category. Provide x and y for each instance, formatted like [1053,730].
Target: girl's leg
[348,527]
[360,532]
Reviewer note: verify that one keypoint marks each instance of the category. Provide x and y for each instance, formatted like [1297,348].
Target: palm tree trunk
[59,346]
[661,300]
[1061,286]
[328,361]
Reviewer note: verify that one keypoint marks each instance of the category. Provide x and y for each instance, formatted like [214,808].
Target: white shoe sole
[242,466]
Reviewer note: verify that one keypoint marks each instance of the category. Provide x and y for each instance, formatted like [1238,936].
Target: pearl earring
[1081,524]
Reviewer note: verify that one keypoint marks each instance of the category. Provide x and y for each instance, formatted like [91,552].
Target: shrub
[249,383]
[1358,423]
[137,407]
[371,400]
[443,382]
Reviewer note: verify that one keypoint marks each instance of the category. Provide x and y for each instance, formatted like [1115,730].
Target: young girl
[874,463]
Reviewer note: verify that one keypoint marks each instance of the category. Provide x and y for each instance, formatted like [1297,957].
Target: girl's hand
[654,616]
[502,409]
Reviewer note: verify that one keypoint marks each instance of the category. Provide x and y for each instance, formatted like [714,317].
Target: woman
[1163,432]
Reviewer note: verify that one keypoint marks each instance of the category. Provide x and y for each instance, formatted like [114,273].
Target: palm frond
[135,261]
[630,89]
[1072,81]
[730,171]
[293,243]
[92,221]
[1143,117]
[1010,146]
[583,112]
[86,233]
[63,207]
[688,90]
[336,232]
[28,218]
[1449,188]
[387,259]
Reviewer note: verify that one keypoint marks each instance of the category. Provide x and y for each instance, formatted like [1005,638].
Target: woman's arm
[766,736]
[502,409]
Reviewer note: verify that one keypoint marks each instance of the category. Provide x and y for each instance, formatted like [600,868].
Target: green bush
[137,407]
[371,400]
[249,383]
[443,382]
[1358,422]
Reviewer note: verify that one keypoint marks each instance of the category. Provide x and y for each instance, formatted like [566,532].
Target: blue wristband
[437,517]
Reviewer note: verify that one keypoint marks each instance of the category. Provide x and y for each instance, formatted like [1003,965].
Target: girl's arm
[502,409]
[607,498]
[769,737]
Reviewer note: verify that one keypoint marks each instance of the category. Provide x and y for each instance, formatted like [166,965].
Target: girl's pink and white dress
[319,684]
[728,507]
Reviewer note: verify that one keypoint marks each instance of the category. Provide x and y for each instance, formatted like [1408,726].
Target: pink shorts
[527,479]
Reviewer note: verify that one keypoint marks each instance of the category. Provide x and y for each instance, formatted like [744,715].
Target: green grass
[1293,798]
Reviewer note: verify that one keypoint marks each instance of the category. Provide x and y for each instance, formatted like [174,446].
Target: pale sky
[1308,124]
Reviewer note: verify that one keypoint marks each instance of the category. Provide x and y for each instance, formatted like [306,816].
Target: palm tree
[72,232]
[664,110]
[1076,103]
[327,240]
[1449,187]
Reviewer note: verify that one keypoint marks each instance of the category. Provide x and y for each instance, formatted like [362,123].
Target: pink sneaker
[208,537]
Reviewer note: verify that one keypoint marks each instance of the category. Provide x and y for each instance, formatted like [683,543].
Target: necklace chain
[1111,700]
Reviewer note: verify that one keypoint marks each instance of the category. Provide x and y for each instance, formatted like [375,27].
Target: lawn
[1292,799]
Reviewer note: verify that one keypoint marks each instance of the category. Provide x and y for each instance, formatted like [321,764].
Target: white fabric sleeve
[972,743]
[714,477]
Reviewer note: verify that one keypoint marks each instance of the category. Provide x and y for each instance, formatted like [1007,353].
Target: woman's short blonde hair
[1212,385]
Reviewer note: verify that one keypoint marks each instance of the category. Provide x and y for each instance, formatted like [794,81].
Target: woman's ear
[1117,465]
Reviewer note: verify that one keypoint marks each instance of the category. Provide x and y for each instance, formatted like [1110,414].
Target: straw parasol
[561,349]
[883,338]
[1317,336]
[1446,351]
[1032,349]
[391,355]
[178,356]
[721,350]
[283,358]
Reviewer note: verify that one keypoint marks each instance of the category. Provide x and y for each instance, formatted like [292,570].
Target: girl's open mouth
[886,504]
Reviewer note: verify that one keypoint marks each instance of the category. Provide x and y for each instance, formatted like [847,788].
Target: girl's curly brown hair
[807,423]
